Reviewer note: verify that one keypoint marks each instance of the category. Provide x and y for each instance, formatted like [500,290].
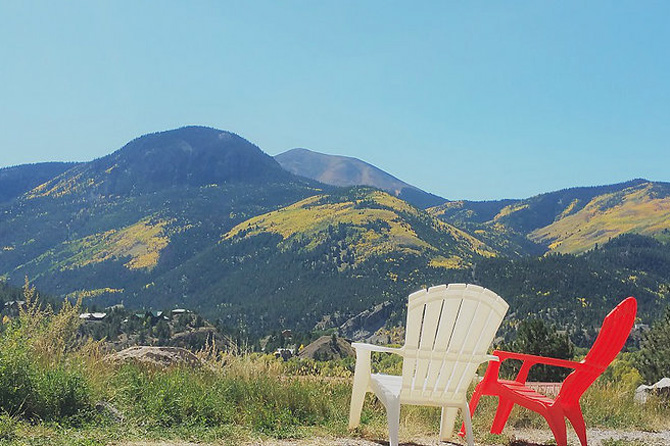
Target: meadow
[57,389]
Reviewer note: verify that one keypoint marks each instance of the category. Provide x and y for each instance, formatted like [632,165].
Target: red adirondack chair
[610,341]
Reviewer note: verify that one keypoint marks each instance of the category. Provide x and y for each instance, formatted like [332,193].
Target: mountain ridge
[203,218]
[571,220]
[17,180]
[346,171]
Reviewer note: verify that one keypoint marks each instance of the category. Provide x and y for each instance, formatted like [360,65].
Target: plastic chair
[610,341]
[448,333]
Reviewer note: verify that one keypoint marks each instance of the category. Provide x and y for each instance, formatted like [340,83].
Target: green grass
[50,384]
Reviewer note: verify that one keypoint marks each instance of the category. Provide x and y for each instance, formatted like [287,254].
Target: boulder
[161,357]
[662,388]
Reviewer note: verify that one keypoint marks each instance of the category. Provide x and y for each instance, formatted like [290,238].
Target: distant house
[153,316]
[13,306]
[284,353]
[92,317]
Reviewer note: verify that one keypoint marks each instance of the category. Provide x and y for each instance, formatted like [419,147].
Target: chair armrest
[363,370]
[531,360]
[534,359]
[377,348]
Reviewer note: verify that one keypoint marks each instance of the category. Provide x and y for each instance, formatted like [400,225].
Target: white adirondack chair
[449,331]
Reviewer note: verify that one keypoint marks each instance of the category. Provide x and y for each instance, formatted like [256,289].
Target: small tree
[536,337]
[162,332]
[654,354]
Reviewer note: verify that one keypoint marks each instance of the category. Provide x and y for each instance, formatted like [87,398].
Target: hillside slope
[570,221]
[112,224]
[331,254]
[17,180]
[642,208]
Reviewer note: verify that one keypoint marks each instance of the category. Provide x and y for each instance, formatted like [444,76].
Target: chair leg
[473,405]
[576,418]
[468,425]
[447,422]
[502,414]
[357,399]
[361,384]
[557,424]
[393,418]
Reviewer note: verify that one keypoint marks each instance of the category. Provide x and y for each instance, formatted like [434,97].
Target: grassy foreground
[56,389]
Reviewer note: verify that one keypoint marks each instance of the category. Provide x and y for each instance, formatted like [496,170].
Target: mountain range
[202,218]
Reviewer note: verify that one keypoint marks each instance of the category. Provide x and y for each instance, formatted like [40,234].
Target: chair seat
[387,385]
[525,392]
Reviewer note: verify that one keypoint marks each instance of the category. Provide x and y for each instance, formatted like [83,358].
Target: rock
[662,387]
[109,411]
[324,349]
[161,357]
[198,339]
[365,324]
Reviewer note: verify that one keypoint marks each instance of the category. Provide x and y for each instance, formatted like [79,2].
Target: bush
[60,393]
[16,384]
[173,397]
[36,380]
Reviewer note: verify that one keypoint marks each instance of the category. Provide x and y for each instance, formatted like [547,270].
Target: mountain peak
[189,156]
[344,171]
[193,156]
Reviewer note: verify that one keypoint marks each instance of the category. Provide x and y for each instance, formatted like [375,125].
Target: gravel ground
[523,437]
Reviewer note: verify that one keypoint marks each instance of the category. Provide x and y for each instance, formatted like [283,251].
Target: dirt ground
[525,437]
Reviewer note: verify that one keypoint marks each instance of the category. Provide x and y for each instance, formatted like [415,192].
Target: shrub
[15,373]
[36,380]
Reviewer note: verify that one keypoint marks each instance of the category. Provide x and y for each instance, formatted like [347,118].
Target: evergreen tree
[536,337]
[654,354]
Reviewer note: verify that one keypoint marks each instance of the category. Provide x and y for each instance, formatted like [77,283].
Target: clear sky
[486,101]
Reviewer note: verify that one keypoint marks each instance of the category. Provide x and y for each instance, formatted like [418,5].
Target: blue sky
[486,101]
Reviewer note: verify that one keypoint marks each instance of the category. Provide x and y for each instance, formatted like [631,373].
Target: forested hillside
[202,218]
[17,180]
[107,227]
[568,221]
[577,291]
[336,253]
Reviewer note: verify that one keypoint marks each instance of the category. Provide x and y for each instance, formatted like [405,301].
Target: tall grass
[50,382]
[38,379]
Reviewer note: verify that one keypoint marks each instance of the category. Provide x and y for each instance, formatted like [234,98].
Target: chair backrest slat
[449,330]
[609,342]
